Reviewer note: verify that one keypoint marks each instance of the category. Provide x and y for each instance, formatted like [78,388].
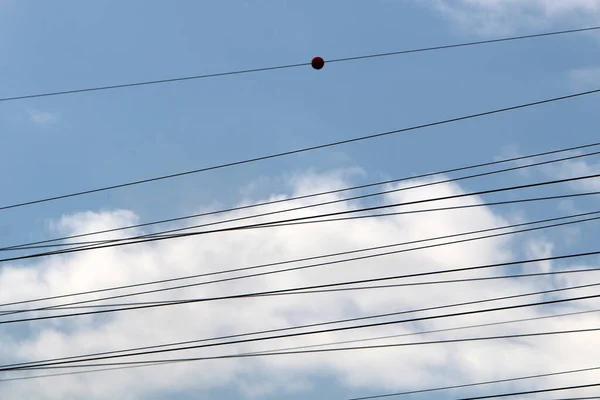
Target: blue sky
[123,135]
[56,145]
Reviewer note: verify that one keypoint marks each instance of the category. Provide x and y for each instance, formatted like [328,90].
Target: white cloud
[404,368]
[43,118]
[494,17]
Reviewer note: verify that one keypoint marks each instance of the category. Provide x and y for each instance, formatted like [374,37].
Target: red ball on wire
[317,63]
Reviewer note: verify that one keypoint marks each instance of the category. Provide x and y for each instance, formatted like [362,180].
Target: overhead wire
[299,352]
[367,216]
[387,395]
[443,388]
[33,245]
[306,149]
[341,321]
[527,392]
[426,332]
[296,65]
[353,289]
[194,276]
[269,264]
[266,224]
[297,268]
[328,285]
[37,364]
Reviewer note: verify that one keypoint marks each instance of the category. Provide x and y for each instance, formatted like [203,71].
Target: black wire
[438,282]
[494,203]
[150,364]
[380,215]
[305,149]
[32,245]
[456,328]
[437,389]
[252,226]
[271,292]
[280,262]
[37,364]
[287,66]
[315,265]
[379,193]
[283,353]
[312,325]
[512,394]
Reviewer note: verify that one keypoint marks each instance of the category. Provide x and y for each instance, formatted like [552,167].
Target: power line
[237,269]
[151,364]
[380,215]
[31,245]
[266,224]
[272,292]
[439,282]
[295,65]
[353,289]
[305,149]
[370,339]
[443,388]
[346,320]
[314,265]
[512,394]
[329,350]
[36,245]
[37,364]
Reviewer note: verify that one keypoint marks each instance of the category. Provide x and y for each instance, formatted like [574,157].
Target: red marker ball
[317,63]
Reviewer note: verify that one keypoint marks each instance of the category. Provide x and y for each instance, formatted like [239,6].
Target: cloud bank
[365,371]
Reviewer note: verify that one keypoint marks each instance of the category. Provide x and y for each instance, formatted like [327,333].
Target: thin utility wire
[352,289]
[513,394]
[297,208]
[439,282]
[187,277]
[482,383]
[457,328]
[59,306]
[331,214]
[38,364]
[306,149]
[32,245]
[434,389]
[329,350]
[272,292]
[379,215]
[295,65]
[336,322]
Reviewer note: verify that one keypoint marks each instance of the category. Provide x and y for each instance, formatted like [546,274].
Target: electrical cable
[370,339]
[335,322]
[239,277]
[42,243]
[243,268]
[296,65]
[57,364]
[252,226]
[246,295]
[329,350]
[305,149]
[300,291]
[512,394]
[441,388]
